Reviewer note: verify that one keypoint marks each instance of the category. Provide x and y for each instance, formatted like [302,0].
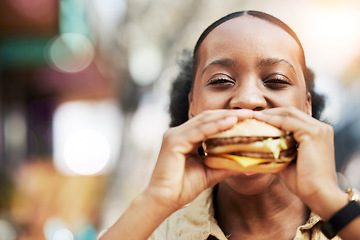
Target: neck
[274,211]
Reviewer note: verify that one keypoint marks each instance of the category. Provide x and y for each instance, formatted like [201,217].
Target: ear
[308,104]
[190,99]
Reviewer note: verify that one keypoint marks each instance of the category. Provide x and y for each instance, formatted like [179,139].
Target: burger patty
[266,155]
[233,140]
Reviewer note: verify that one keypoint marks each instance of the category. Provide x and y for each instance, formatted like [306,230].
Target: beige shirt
[196,222]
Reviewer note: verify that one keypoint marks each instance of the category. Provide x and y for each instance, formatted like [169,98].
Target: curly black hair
[182,85]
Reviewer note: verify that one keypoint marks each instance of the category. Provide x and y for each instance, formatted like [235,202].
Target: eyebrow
[273,61]
[227,62]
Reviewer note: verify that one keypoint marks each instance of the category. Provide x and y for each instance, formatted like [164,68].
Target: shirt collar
[203,210]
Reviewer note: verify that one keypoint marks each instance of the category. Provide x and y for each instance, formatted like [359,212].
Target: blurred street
[84,99]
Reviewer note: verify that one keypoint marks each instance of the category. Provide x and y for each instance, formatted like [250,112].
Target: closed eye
[277,82]
[221,81]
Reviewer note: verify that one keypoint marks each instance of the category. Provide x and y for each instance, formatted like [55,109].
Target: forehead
[248,36]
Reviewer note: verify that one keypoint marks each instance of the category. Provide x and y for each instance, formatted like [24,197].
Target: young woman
[246,65]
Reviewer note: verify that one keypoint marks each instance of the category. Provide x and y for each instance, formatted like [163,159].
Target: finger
[288,121]
[290,112]
[209,123]
[211,176]
[203,131]
[215,176]
[214,115]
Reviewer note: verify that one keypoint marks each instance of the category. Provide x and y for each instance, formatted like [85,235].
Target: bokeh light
[15,131]
[70,52]
[145,64]
[57,229]
[63,234]
[7,231]
[87,152]
[87,136]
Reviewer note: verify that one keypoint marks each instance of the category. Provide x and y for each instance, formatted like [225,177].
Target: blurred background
[84,96]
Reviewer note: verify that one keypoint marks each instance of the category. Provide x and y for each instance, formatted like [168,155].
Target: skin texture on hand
[179,166]
[313,173]
[177,169]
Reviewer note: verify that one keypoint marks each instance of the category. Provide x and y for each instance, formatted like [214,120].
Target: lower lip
[249,174]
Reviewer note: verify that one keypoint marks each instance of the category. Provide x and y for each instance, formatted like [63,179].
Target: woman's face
[248,63]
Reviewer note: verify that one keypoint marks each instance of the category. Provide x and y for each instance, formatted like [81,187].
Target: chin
[253,184]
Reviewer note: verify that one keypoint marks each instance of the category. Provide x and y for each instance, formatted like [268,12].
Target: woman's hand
[312,177]
[179,175]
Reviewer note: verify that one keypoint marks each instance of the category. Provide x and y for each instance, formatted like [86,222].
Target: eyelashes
[277,82]
[221,80]
[274,81]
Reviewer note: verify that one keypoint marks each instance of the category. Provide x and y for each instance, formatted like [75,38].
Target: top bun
[251,128]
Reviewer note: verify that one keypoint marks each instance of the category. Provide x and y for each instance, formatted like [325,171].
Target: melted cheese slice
[276,145]
[244,161]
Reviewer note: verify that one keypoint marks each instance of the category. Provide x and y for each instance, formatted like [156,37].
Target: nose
[248,95]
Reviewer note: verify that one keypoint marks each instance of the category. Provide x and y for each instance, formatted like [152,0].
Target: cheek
[300,100]
[292,98]
[204,101]
[289,98]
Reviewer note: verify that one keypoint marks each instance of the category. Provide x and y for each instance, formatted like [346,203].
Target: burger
[250,146]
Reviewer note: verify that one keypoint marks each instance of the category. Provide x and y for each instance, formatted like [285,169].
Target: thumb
[215,176]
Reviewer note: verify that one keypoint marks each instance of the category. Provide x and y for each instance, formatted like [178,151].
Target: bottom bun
[225,163]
